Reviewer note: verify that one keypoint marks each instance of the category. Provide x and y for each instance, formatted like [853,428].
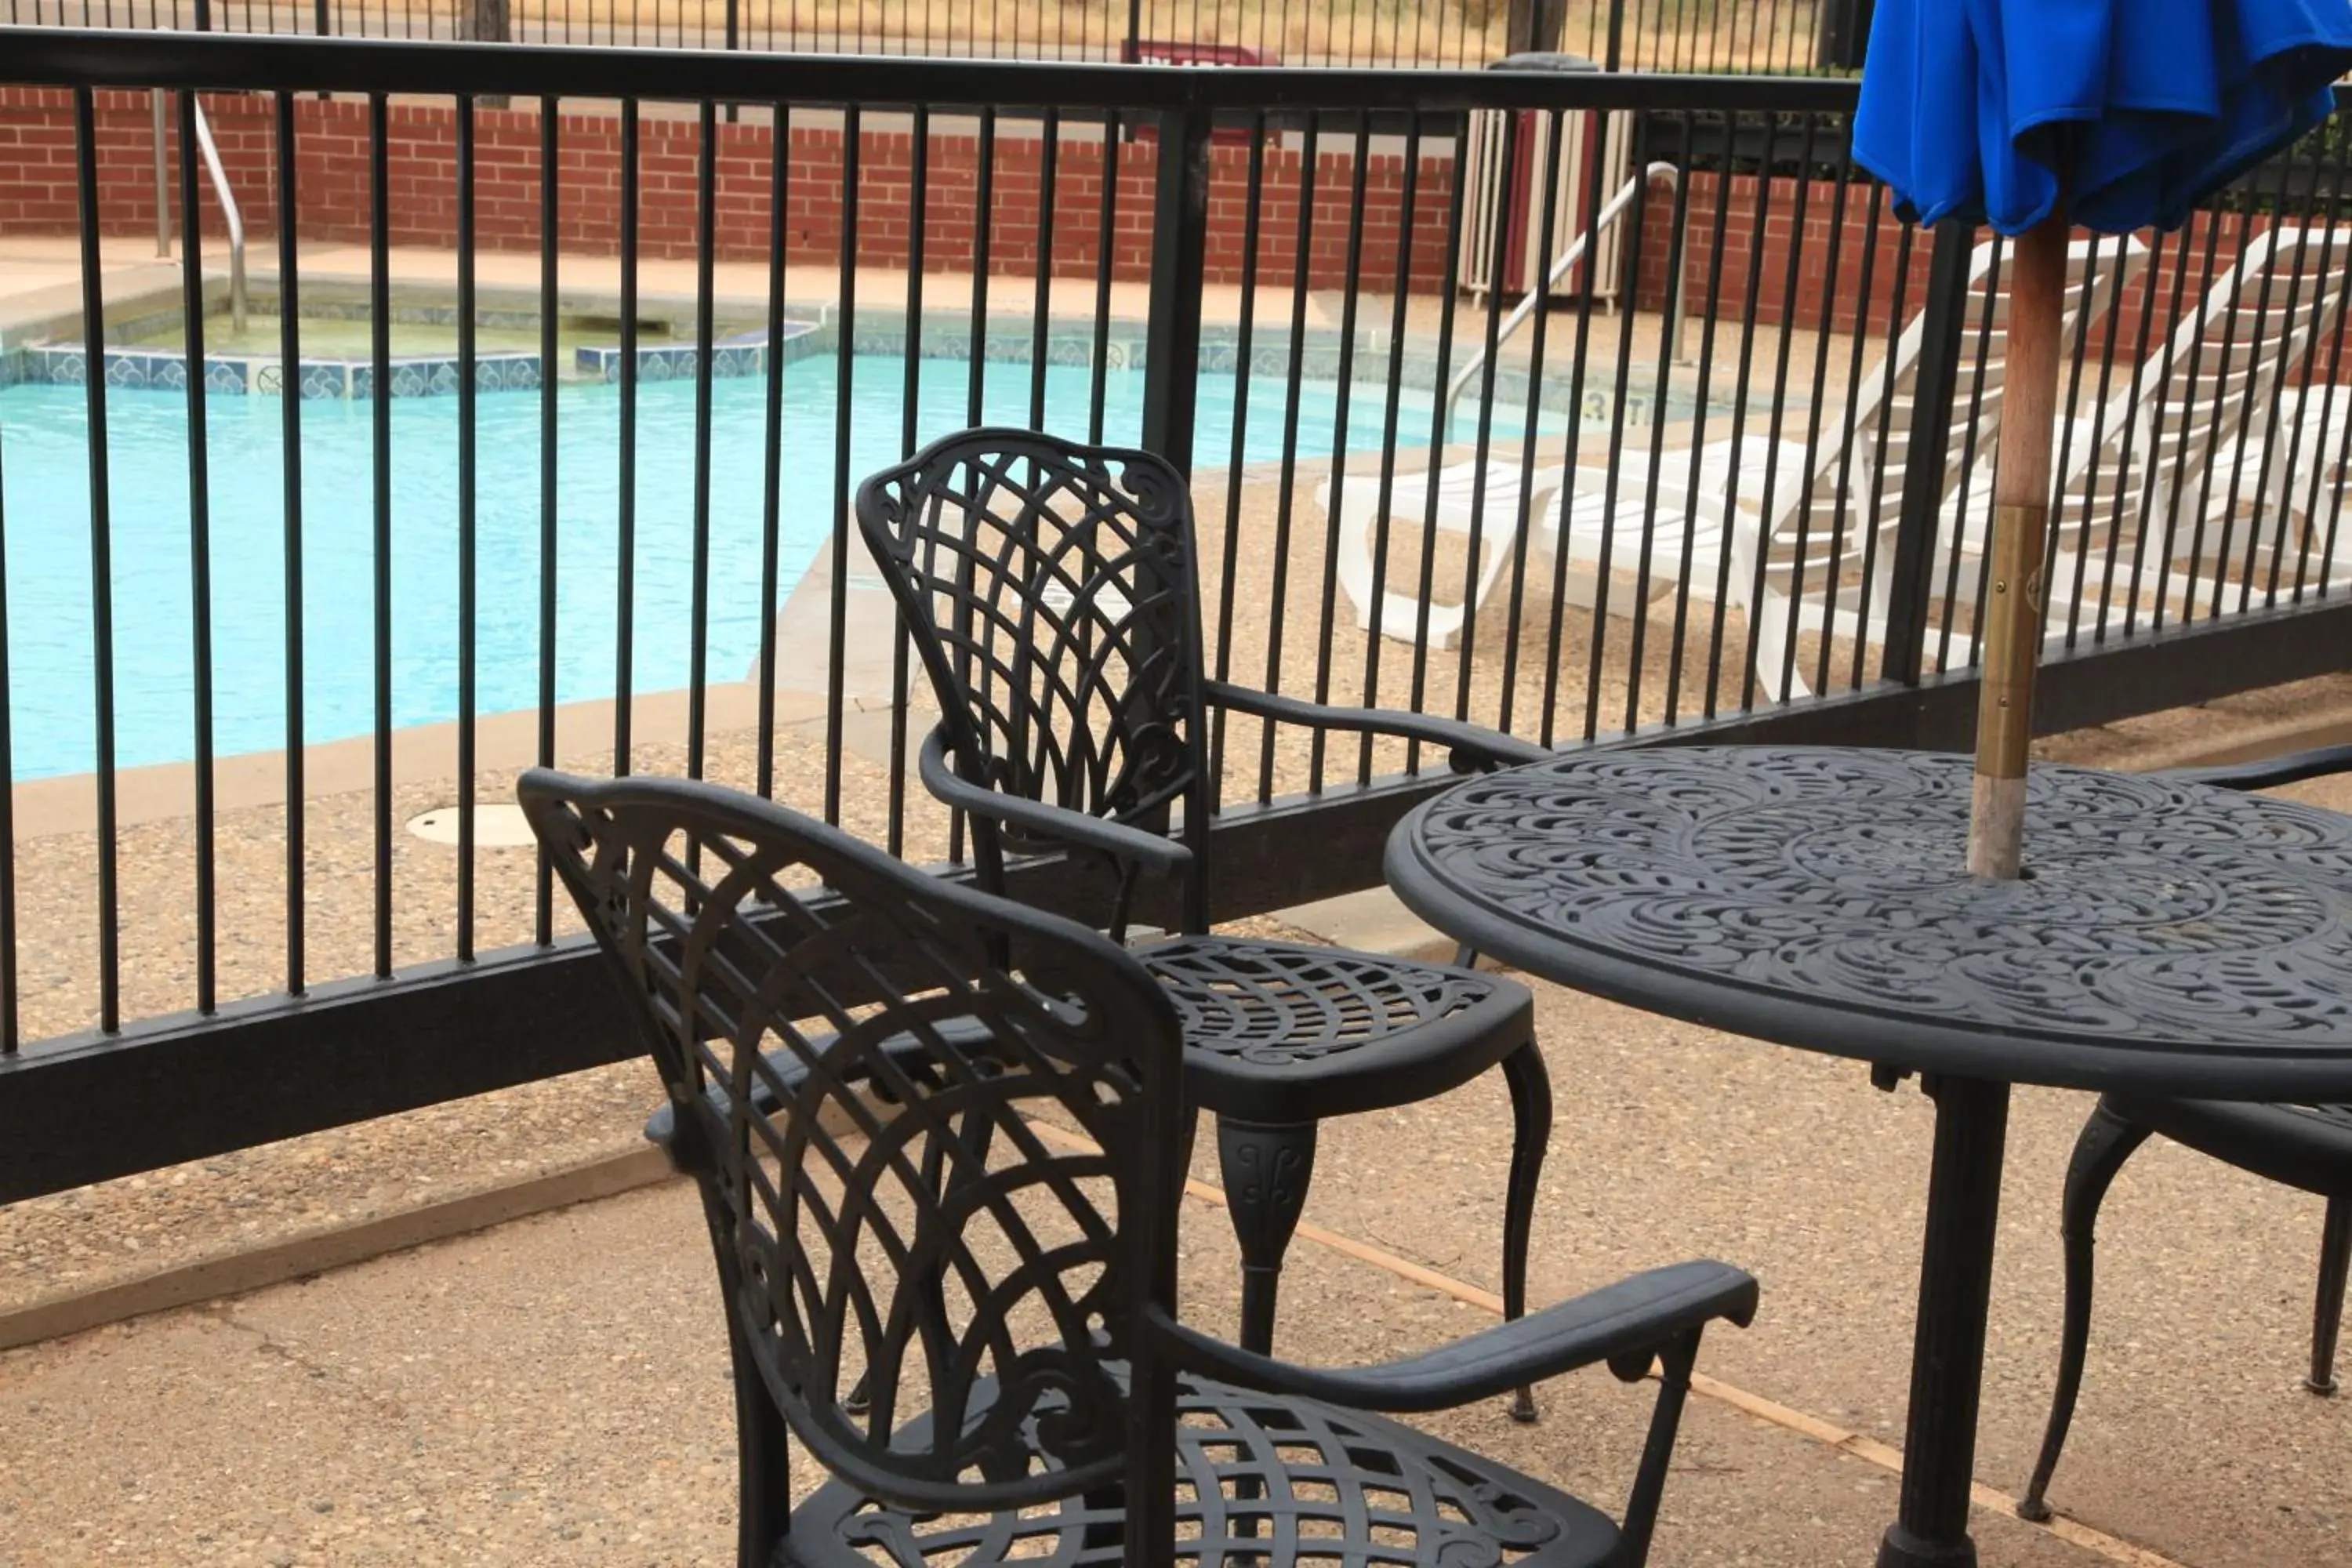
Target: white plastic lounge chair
[1838,503]
[1678,520]
[2236,448]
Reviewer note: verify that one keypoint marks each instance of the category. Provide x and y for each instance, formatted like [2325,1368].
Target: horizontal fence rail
[564,363]
[1784,36]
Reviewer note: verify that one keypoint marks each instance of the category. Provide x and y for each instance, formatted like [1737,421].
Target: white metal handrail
[235,219]
[1535,297]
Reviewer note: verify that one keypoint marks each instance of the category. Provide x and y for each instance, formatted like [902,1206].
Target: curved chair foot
[2106,1142]
[2328,1311]
[1530,1085]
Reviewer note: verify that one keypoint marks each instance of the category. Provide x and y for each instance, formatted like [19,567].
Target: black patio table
[2167,938]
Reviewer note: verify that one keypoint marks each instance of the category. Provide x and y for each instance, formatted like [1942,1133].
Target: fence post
[1844,34]
[319,14]
[1615,58]
[1911,581]
[1180,244]
[1134,51]
[1520,26]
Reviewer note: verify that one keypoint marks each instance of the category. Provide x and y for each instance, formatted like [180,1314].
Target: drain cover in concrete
[498,827]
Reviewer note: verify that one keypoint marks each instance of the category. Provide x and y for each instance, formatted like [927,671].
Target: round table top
[2170,938]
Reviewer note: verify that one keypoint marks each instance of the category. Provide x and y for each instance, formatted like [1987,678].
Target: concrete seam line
[1870,1450]
[316,1251]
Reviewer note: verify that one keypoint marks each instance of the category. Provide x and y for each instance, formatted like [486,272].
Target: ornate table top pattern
[2168,936]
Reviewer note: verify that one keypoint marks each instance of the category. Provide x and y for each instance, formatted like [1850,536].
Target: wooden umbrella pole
[2021,516]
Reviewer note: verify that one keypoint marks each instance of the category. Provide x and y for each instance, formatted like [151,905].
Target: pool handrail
[235,219]
[1575,252]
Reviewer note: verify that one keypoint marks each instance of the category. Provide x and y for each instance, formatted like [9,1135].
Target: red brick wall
[331,174]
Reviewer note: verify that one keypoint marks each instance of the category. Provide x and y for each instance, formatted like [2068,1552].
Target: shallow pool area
[46,512]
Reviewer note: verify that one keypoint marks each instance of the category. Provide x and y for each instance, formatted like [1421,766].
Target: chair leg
[763,1485]
[1266,1168]
[2106,1142]
[1530,1085]
[2328,1312]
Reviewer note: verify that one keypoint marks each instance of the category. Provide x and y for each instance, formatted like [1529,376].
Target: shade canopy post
[2012,615]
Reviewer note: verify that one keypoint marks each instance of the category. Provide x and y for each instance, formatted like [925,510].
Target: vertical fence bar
[1805,183]
[1106,253]
[1910,582]
[1677,278]
[1244,335]
[918,166]
[200,552]
[1179,239]
[1742,382]
[1385,496]
[1482,446]
[624,627]
[1539,324]
[11,1031]
[1278,591]
[1049,158]
[1598,663]
[549,186]
[836,637]
[1441,376]
[984,205]
[771,478]
[1871,528]
[380,417]
[468,408]
[162,178]
[1351,293]
[1808,488]
[290,413]
[101,532]
[706,246]
[1718,212]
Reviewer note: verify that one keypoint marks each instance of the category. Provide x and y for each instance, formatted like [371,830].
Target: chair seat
[1335,1487]
[1283,1032]
[2305,1146]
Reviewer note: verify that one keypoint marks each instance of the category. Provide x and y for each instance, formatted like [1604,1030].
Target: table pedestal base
[1939,1445]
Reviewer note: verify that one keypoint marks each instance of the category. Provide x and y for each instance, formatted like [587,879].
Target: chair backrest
[1824,524]
[855,1054]
[2214,383]
[1050,590]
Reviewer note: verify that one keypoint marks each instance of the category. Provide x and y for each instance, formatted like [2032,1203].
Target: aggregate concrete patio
[554,1391]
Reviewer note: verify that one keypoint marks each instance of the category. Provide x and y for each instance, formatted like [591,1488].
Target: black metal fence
[1786,37]
[281,653]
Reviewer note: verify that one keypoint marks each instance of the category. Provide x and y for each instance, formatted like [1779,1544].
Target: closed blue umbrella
[2033,114]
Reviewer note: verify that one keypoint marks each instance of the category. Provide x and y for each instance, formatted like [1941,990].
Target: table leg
[1931,1530]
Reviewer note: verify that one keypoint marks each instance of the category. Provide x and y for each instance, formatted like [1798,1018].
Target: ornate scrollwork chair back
[854,1053]
[1057,587]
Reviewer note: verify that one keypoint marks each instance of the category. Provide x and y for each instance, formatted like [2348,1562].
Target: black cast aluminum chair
[940,1142]
[1051,591]
[2305,1146]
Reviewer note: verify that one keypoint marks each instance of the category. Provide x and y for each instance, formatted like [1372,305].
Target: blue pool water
[44,489]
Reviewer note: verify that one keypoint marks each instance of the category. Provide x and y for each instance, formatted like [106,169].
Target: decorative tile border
[166,370]
[742,353]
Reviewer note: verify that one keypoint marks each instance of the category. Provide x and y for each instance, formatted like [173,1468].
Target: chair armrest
[1624,1324]
[2270,772]
[1154,852]
[1474,746]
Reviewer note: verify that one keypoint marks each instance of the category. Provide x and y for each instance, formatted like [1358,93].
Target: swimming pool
[44,484]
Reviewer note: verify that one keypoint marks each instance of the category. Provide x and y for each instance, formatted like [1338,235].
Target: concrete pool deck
[552,1391]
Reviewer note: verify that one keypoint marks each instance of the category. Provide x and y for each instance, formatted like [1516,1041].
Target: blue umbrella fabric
[1973,109]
